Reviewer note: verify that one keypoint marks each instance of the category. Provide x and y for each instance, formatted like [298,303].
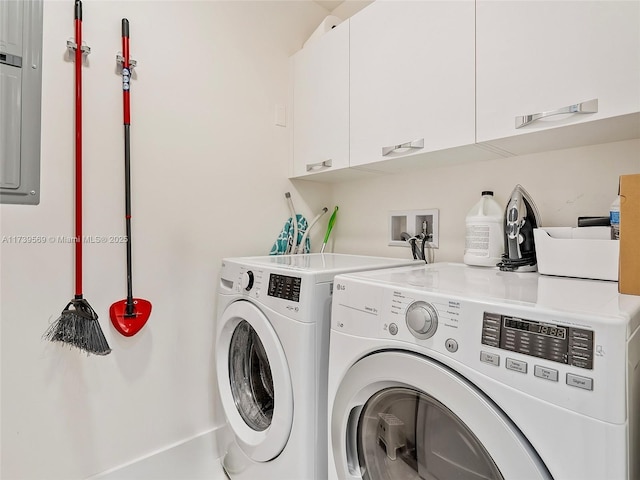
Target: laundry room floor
[192,460]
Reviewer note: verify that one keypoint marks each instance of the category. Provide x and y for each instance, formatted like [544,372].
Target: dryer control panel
[558,343]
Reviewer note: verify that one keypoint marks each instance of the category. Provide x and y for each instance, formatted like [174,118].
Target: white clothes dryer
[271,361]
[449,371]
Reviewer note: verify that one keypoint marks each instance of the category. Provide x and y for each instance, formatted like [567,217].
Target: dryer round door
[254,381]
[401,415]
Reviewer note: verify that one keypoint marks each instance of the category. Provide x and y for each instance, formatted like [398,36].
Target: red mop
[128,316]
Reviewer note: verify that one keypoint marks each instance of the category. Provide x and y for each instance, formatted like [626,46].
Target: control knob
[422,320]
[247,280]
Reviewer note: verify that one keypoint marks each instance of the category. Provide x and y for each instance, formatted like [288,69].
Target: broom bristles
[79,327]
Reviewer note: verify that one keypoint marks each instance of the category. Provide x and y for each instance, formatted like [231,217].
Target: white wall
[564,184]
[348,8]
[209,175]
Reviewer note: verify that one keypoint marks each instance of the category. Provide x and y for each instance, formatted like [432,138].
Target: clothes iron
[521,217]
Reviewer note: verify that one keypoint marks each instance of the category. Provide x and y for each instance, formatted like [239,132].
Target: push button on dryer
[546,373]
[490,358]
[516,365]
[451,345]
[579,381]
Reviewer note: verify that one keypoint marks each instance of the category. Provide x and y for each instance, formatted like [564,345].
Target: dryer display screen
[285,287]
[558,343]
[536,327]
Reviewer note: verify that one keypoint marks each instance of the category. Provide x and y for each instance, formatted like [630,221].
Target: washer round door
[254,381]
[401,415]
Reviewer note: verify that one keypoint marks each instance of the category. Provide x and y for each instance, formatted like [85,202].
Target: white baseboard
[192,459]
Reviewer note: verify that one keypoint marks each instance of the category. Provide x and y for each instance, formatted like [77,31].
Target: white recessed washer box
[413,222]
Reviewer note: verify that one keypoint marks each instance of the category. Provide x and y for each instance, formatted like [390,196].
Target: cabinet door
[539,56]
[321,104]
[11,13]
[412,79]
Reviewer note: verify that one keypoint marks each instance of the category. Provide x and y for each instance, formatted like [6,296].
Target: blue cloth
[285,238]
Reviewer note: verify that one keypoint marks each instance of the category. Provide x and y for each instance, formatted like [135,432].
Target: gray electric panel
[20,100]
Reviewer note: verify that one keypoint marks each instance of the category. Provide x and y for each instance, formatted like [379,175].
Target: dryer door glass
[250,377]
[407,434]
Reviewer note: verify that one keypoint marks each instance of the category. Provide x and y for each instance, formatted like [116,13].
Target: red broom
[78,324]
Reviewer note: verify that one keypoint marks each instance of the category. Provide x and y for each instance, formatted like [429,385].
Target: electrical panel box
[20,100]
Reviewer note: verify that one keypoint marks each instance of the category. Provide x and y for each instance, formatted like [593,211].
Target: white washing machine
[448,371]
[271,361]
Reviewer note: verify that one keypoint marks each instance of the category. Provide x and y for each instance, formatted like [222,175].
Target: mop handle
[126,74]
[78,66]
[126,104]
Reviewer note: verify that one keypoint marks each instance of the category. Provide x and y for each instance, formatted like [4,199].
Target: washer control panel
[558,343]
[285,287]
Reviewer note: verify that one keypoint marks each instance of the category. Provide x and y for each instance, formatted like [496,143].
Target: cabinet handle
[311,167]
[417,144]
[590,106]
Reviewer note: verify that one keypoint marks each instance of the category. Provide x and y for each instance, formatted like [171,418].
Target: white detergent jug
[484,240]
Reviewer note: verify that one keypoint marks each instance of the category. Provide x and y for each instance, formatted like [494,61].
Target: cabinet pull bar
[417,144]
[590,106]
[318,166]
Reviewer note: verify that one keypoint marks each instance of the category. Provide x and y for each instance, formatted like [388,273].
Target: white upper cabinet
[412,86]
[406,83]
[321,104]
[539,58]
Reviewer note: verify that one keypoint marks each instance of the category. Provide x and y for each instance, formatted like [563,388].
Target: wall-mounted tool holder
[120,62]
[72,45]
